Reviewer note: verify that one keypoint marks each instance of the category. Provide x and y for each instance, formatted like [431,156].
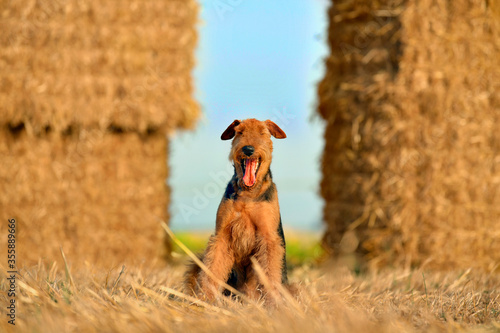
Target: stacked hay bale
[88,93]
[411,167]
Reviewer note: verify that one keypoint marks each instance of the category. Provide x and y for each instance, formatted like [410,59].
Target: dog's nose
[248,150]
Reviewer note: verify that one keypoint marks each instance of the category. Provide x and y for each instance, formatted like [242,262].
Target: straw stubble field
[51,298]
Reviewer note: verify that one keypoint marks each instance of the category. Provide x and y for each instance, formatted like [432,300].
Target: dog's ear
[275,130]
[229,132]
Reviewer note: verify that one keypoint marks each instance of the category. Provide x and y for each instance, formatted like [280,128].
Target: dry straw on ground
[143,299]
[412,156]
[88,92]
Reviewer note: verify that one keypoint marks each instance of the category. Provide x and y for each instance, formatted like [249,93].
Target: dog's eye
[239,132]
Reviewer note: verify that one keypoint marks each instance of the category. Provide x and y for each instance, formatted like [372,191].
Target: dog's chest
[242,236]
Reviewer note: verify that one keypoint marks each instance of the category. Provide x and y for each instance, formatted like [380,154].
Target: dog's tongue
[250,170]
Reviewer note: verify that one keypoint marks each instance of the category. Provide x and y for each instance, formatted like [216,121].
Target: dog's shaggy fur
[248,220]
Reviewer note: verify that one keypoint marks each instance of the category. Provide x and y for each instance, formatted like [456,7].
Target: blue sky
[255,59]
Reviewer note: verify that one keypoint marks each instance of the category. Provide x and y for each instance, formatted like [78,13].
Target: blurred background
[261,60]
[111,115]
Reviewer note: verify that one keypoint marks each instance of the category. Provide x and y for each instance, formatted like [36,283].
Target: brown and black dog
[248,220]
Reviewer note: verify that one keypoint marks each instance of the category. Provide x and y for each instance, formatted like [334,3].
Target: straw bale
[98,195]
[411,165]
[121,64]
[88,92]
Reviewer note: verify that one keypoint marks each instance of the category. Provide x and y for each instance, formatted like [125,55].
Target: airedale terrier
[248,220]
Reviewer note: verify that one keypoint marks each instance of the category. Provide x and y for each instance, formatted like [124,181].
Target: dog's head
[252,148]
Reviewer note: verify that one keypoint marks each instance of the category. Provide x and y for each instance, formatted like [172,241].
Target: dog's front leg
[219,260]
[269,256]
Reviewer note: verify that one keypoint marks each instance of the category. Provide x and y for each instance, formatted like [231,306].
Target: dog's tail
[191,276]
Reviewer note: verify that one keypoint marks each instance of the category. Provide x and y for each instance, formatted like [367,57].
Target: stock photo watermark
[203,195]
[281,116]
[11,271]
[222,7]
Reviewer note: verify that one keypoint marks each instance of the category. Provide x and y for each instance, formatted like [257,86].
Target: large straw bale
[89,91]
[98,195]
[363,39]
[411,169]
[124,64]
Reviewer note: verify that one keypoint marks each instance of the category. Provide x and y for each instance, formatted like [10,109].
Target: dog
[248,222]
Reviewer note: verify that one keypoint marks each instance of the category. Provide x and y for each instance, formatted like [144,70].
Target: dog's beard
[250,166]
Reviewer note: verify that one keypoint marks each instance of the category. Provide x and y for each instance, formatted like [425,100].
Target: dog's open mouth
[250,167]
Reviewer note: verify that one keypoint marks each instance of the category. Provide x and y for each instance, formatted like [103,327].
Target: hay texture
[97,195]
[89,91]
[98,64]
[411,166]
